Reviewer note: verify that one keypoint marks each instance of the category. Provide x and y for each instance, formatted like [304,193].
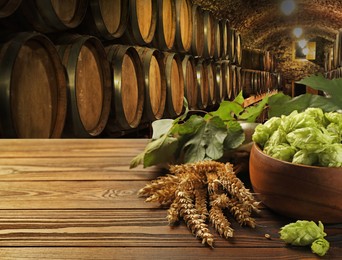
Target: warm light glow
[302,43]
[288,6]
[298,32]
[306,51]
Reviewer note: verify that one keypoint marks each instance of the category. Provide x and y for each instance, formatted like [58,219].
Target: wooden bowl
[297,191]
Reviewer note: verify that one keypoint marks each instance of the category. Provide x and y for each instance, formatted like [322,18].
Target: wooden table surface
[77,199]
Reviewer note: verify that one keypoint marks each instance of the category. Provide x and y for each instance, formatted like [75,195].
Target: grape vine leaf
[235,135]
[193,149]
[214,135]
[228,110]
[207,142]
[191,125]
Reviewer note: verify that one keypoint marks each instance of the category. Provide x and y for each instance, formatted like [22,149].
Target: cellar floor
[77,199]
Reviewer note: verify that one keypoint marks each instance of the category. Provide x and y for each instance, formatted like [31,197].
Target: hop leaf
[320,246]
[302,232]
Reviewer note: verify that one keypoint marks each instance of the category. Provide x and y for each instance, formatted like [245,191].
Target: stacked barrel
[333,58]
[258,73]
[86,67]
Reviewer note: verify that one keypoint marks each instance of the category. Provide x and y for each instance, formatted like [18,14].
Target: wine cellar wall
[103,68]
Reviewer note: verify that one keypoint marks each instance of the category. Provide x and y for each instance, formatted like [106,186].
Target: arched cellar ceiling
[263,26]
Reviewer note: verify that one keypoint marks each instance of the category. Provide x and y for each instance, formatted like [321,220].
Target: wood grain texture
[106,253]
[77,199]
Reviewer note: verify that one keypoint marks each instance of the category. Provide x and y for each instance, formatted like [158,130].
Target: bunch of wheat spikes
[187,189]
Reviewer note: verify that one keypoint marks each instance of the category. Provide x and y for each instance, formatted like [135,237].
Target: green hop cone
[302,232]
[320,246]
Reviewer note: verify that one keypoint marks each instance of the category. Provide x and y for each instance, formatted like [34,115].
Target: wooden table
[77,199]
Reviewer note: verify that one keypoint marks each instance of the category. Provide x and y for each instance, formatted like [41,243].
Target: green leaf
[161,127]
[194,149]
[191,125]
[207,142]
[235,135]
[332,87]
[159,151]
[137,160]
[239,99]
[186,106]
[226,110]
[214,134]
[280,104]
[251,113]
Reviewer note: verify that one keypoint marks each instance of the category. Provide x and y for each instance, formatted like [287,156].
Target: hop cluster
[201,192]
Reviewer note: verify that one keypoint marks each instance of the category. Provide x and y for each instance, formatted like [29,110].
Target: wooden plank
[77,199]
[71,194]
[106,253]
[124,227]
[129,227]
[70,168]
[45,148]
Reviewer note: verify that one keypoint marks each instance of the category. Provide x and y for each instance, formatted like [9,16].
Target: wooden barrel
[165,35]
[128,88]
[218,44]
[8,7]
[238,79]
[252,59]
[54,15]
[247,81]
[279,81]
[174,84]
[270,85]
[234,76]
[226,79]
[183,26]
[210,71]
[202,83]
[89,85]
[238,48]
[197,44]
[257,83]
[219,80]
[232,49]
[209,34]
[142,22]
[33,96]
[190,88]
[154,83]
[267,82]
[224,27]
[101,22]
[263,79]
